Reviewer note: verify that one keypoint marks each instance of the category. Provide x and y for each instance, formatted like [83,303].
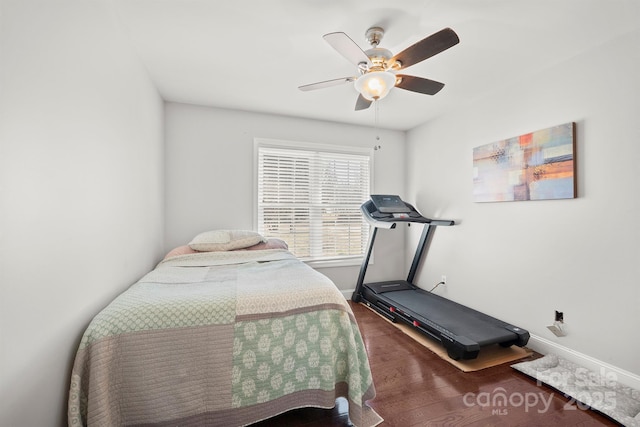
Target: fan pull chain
[376,108]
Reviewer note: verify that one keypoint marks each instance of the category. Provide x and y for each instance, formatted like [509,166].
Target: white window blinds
[311,199]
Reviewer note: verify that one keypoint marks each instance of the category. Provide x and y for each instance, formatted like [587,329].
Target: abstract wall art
[535,166]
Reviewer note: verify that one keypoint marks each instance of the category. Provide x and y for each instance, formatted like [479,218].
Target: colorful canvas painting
[535,166]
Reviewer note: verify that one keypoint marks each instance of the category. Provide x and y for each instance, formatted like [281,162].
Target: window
[310,196]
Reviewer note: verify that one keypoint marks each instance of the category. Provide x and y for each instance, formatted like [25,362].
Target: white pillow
[225,240]
[269,244]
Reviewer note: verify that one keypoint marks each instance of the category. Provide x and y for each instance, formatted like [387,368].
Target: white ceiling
[253,54]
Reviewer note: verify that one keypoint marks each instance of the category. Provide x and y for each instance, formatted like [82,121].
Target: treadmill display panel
[389,204]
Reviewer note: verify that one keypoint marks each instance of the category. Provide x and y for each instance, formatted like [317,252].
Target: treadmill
[463,331]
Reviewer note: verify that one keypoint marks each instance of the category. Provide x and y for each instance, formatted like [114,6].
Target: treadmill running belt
[456,318]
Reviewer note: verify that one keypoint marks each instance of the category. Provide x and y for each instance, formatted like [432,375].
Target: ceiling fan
[378,67]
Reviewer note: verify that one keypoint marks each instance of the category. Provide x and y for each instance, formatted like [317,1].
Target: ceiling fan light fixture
[375,85]
[378,67]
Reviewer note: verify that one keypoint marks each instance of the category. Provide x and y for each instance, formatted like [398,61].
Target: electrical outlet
[558,326]
[443,279]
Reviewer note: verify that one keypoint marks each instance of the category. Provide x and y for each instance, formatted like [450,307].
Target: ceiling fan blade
[418,84]
[327,83]
[362,103]
[347,48]
[426,48]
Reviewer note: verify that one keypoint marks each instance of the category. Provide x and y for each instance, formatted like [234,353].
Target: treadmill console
[389,204]
[384,211]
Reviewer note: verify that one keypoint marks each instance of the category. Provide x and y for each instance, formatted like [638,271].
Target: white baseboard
[544,346]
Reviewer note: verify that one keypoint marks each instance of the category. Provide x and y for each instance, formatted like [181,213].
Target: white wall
[209,175]
[520,261]
[81,190]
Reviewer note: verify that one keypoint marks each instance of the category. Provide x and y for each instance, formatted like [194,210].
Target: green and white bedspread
[221,338]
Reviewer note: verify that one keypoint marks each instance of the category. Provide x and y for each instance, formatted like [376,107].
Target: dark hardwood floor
[414,387]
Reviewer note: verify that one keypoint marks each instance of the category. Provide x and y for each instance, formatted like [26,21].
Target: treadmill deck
[456,318]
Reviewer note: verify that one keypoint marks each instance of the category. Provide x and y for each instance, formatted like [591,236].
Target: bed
[226,337]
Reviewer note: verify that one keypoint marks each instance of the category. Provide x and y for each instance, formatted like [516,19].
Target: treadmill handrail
[373,222]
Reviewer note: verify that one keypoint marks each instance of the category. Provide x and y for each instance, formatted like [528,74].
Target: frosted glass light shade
[375,84]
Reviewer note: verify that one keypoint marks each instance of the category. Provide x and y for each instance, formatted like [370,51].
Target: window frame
[312,146]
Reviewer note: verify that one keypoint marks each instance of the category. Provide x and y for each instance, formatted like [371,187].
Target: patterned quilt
[221,338]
